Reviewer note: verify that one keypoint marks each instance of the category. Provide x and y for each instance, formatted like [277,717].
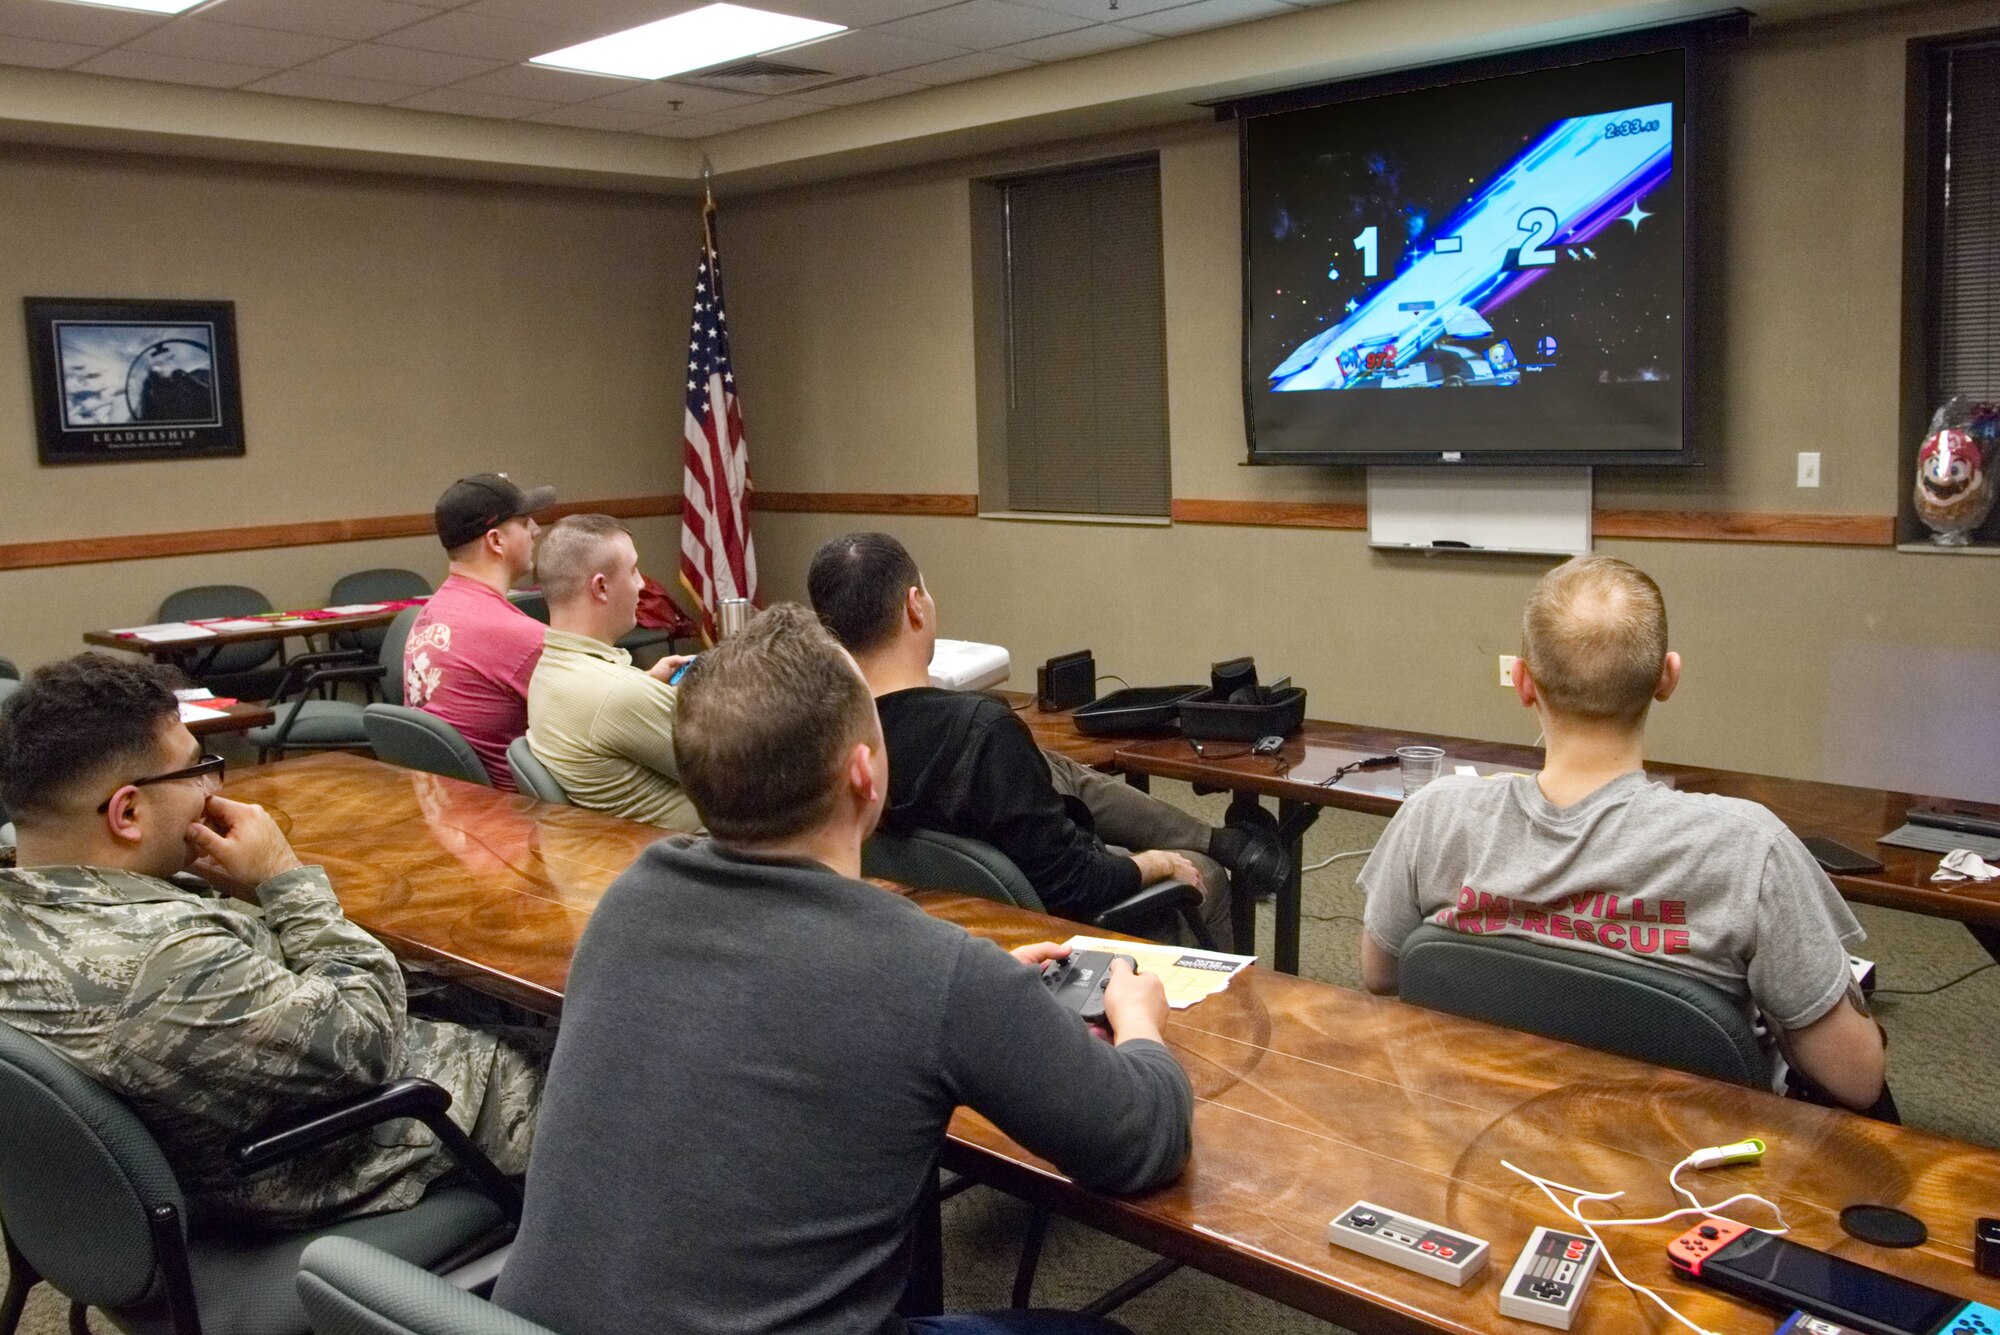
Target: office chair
[933,859]
[8,672]
[532,602]
[351,1288]
[312,724]
[531,776]
[91,1206]
[239,670]
[385,585]
[1597,1001]
[416,740]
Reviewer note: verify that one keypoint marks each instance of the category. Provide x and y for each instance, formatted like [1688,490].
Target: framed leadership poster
[117,380]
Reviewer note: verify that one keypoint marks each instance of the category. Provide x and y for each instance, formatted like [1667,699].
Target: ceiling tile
[860,13]
[355,20]
[1206,14]
[202,39]
[860,90]
[975,65]
[84,25]
[172,69]
[761,113]
[475,104]
[689,127]
[1100,11]
[597,118]
[600,16]
[659,99]
[396,64]
[45,55]
[977,25]
[1078,42]
[334,87]
[870,51]
[547,85]
[461,34]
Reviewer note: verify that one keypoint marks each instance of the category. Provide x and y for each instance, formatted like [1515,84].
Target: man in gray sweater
[760,1052]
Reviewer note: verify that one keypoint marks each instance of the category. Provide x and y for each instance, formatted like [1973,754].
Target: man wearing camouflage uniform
[205,1015]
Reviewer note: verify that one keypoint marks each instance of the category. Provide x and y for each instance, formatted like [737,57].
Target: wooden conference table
[239,717]
[1309,1097]
[1856,817]
[274,629]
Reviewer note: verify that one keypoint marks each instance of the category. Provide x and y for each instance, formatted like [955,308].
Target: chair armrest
[294,1133]
[370,672]
[1148,906]
[299,669]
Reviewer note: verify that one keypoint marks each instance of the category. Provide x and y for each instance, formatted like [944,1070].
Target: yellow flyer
[1189,975]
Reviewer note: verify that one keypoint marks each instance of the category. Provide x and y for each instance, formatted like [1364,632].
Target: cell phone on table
[1741,1260]
[1839,858]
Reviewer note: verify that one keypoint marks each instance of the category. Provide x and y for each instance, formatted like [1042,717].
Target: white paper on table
[1189,975]
[195,693]
[291,623]
[199,714]
[238,623]
[356,609]
[167,632]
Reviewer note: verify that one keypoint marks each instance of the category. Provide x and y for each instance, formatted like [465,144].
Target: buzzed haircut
[1595,638]
[572,550]
[857,584]
[763,724]
[75,720]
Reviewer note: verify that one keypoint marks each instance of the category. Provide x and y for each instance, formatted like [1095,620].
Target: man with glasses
[207,1017]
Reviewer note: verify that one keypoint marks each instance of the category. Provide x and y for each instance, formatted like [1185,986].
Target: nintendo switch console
[1077,983]
[1769,1270]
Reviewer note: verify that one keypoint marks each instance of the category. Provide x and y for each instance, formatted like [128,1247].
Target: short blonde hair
[1595,638]
[574,549]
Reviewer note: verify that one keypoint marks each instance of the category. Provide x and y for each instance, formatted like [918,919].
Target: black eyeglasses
[201,769]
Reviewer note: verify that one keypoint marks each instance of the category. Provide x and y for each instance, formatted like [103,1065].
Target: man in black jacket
[963,763]
[760,1051]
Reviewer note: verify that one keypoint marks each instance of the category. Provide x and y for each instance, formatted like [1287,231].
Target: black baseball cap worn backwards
[472,506]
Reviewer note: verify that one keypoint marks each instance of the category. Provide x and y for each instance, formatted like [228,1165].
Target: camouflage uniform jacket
[208,1020]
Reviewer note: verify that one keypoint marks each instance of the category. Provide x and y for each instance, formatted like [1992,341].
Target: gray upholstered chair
[935,860]
[308,723]
[8,672]
[384,585]
[91,1206]
[245,671]
[416,740]
[531,776]
[351,1288]
[532,602]
[1597,1001]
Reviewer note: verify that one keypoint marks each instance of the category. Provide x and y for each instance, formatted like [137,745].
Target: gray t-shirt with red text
[1713,887]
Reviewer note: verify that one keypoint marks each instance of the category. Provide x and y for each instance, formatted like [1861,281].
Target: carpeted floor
[1940,1066]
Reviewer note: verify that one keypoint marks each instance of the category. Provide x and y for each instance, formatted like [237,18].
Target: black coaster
[1884,1226]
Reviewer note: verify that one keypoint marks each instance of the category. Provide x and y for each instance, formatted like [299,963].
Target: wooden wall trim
[1273,514]
[1666,525]
[948,504]
[261,537]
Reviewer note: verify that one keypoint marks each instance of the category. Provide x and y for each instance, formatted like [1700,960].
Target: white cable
[1328,862]
[1710,1157]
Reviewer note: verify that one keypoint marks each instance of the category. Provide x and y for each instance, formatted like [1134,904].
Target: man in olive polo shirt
[603,728]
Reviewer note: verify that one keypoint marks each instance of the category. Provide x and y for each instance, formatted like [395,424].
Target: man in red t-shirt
[471,651]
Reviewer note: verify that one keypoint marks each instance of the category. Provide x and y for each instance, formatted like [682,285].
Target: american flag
[717,559]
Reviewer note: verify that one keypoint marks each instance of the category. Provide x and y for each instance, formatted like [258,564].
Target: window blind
[1966,239]
[1086,343]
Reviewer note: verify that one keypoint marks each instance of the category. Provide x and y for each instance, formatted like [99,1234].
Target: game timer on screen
[1515,245]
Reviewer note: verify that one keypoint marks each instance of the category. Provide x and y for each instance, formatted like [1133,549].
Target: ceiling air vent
[765,76]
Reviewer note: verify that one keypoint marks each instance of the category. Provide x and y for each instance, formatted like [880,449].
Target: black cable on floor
[1930,991]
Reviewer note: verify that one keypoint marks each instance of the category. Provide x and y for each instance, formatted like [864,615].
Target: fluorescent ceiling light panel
[691,41]
[144,6]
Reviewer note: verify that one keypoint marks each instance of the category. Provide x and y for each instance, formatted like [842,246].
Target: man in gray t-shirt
[1592,855]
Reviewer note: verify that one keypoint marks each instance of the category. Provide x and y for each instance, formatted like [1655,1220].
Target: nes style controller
[1547,1283]
[1413,1244]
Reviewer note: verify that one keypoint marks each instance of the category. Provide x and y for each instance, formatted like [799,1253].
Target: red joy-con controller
[1691,1248]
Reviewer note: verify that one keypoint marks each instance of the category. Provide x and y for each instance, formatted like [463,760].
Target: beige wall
[395,334]
[855,347]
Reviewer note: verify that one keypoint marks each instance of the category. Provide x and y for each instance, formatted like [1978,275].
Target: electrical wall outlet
[1809,468]
[1507,671]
